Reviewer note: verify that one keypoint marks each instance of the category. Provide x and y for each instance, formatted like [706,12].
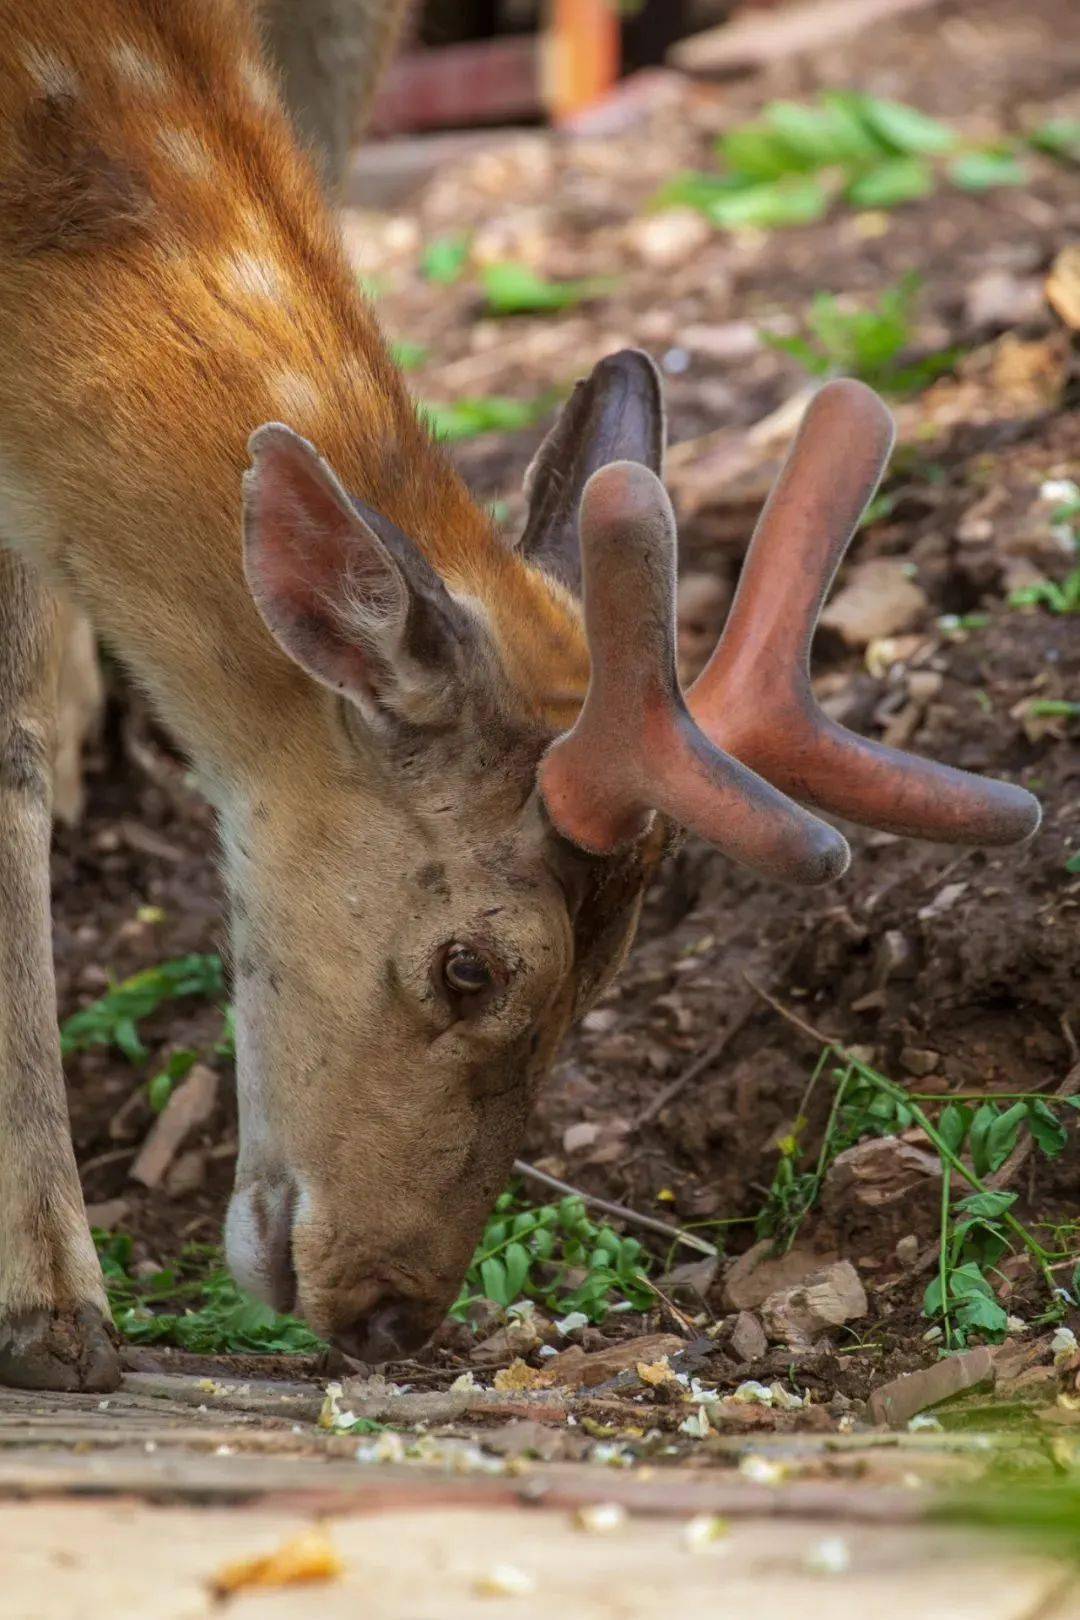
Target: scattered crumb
[505,1580]
[600,1518]
[705,1532]
[830,1556]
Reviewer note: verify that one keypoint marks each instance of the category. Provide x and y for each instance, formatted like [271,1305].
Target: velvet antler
[754,697]
[634,748]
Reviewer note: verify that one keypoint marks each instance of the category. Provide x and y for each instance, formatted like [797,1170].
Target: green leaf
[1073,865]
[126,1037]
[988,1205]
[468,418]
[983,1314]
[443,261]
[954,1124]
[982,171]
[493,1278]
[1002,1135]
[900,180]
[409,355]
[517,1262]
[694,189]
[769,207]
[860,145]
[985,1116]
[813,136]
[904,130]
[967,1280]
[756,153]
[1060,137]
[517,289]
[158,1091]
[1046,1128]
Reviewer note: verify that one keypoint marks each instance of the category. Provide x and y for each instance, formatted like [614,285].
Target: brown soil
[975,991]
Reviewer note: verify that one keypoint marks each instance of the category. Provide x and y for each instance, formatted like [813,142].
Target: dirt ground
[960,970]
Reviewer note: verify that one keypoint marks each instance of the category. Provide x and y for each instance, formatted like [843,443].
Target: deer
[444,767]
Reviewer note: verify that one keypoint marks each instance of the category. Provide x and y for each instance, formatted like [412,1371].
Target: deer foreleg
[54,1321]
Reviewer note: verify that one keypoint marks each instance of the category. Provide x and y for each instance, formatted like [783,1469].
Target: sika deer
[434,850]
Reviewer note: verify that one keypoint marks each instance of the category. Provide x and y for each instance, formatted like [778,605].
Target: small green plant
[1063,598]
[557,1255]
[788,166]
[1060,138]
[113,1020]
[159,1087]
[444,260]
[554,1254]
[516,289]
[492,413]
[409,355]
[977,1230]
[194,1304]
[867,343]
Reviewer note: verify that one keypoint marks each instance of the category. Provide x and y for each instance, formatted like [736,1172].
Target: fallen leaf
[308,1557]
[519,1375]
[655,1373]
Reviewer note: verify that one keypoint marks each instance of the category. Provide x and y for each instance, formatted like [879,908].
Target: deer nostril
[393,1329]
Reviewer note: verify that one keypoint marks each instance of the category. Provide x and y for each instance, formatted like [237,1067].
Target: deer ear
[349,597]
[614,414]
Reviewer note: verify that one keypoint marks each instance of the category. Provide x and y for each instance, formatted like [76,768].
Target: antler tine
[754,696]
[634,748]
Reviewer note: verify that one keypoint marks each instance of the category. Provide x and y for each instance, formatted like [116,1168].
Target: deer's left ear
[614,414]
[350,598]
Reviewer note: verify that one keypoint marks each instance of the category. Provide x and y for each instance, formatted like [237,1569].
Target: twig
[793,1018]
[683,1323]
[698,1067]
[619,1211]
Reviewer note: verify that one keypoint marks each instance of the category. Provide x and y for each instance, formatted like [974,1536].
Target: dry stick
[619,1211]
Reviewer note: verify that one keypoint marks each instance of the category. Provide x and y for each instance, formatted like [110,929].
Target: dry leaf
[656,1372]
[519,1375]
[310,1556]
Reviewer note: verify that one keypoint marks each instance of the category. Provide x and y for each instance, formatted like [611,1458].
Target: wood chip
[190,1105]
[896,1402]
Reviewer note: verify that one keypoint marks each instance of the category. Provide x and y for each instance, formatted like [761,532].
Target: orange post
[581,54]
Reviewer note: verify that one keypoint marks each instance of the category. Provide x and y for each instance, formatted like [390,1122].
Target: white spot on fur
[254,276]
[183,148]
[137,69]
[50,72]
[296,393]
[260,84]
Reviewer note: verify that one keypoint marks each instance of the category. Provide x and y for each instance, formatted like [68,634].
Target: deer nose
[392,1329]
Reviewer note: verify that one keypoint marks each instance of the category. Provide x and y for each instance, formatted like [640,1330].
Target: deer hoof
[59,1349]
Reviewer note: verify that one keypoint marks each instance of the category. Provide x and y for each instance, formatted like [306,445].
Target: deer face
[385,1078]
[428,887]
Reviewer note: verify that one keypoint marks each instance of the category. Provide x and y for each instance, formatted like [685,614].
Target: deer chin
[258,1241]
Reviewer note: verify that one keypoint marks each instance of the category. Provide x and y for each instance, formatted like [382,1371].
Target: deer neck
[169,280]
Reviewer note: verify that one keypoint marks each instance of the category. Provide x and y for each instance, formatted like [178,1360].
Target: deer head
[479,878]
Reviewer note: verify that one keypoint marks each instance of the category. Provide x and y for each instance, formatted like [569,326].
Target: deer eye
[466,972]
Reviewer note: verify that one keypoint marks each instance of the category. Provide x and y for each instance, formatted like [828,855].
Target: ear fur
[614,414]
[344,592]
